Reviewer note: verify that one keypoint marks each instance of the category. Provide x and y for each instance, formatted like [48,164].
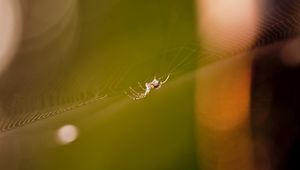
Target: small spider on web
[156,83]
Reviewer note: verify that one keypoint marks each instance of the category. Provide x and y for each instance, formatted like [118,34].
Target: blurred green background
[100,48]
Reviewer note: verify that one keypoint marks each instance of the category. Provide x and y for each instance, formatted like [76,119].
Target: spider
[154,84]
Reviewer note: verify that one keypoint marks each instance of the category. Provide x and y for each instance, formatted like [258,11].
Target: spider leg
[163,82]
[138,95]
[134,91]
[141,86]
[132,96]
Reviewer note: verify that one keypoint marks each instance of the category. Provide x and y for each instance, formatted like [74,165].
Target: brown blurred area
[41,56]
[247,103]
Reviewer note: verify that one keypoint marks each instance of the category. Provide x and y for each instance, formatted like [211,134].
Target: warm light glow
[222,106]
[9,30]
[67,134]
[228,25]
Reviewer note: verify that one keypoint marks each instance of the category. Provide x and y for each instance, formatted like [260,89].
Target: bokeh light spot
[67,134]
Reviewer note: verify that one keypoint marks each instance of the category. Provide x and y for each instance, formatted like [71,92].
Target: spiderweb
[93,54]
